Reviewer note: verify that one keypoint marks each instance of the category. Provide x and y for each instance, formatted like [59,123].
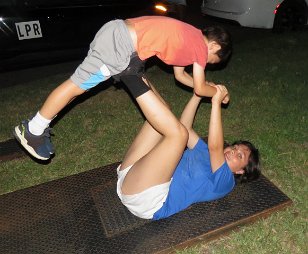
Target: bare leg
[59,98]
[144,142]
[146,139]
[156,93]
[158,165]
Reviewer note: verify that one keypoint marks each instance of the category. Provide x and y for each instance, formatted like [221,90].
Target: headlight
[160,7]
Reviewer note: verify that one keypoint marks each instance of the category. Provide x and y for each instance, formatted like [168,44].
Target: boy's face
[213,47]
[213,59]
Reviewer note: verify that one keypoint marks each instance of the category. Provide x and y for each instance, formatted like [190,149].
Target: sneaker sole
[24,143]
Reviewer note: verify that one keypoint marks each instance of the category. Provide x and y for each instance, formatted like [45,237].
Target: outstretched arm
[198,82]
[182,76]
[216,139]
[201,86]
[187,119]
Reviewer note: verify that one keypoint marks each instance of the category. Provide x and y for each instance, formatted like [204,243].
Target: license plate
[28,30]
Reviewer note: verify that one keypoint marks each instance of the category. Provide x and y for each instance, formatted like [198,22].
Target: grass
[267,78]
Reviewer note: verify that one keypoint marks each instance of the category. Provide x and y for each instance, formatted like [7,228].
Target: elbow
[199,88]
[213,147]
[198,91]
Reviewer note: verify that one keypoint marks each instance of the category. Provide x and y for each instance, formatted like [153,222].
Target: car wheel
[291,15]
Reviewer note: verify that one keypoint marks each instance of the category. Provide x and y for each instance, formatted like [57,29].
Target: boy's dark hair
[252,170]
[222,37]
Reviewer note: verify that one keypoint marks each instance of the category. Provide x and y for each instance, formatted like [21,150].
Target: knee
[71,88]
[181,133]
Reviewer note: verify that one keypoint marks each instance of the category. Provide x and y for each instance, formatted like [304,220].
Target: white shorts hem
[145,203]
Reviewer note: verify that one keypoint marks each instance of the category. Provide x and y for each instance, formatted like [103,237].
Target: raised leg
[158,164]
[146,139]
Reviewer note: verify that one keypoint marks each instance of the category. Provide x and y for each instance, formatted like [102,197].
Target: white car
[276,14]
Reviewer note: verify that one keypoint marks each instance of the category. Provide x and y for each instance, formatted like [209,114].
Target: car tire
[291,15]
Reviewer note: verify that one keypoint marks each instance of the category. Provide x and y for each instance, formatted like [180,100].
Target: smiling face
[237,157]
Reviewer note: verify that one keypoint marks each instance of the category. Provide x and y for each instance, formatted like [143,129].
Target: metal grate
[82,214]
[115,217]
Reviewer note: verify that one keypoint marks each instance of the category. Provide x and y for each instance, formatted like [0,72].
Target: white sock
[38,124]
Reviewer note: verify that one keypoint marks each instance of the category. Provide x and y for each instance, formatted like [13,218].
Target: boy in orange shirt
[119,50]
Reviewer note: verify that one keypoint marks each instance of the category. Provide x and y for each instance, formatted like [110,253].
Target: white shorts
[145,203]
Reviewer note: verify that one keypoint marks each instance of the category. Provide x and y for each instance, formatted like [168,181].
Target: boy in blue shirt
[169,167]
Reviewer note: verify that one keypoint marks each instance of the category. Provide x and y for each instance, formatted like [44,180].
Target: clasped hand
[222,94]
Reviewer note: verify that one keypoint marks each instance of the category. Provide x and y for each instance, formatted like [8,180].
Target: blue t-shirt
[193,181]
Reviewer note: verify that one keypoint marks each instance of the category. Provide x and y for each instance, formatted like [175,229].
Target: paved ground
[11,78]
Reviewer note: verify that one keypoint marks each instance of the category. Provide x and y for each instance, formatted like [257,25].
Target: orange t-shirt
[172,41]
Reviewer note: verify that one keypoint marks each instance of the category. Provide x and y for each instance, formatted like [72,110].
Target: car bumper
[248,13]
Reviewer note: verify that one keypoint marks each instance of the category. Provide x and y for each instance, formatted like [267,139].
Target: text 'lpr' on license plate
[28,30]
